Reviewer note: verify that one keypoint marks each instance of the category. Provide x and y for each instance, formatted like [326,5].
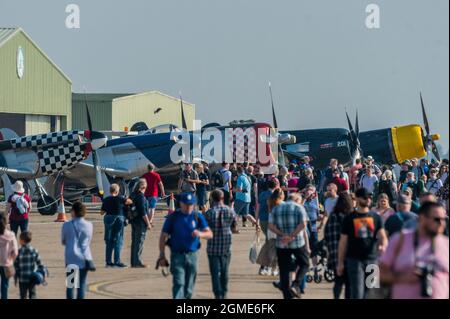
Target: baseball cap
[370,158]
[363,193]
[188,199]
[404,200]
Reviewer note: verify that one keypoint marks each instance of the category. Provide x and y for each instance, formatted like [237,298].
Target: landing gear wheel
[329,275]
[47,206]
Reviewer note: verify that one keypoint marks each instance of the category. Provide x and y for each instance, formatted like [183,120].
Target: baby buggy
[321,271]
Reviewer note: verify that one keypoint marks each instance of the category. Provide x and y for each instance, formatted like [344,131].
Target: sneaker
[277,284]
[139,266]
[120,265]
[264,272]
[297,289]
[294,293]
[275,273]
[109,265]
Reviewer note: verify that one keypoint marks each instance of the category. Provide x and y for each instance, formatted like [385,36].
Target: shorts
[241,208]
[152,201]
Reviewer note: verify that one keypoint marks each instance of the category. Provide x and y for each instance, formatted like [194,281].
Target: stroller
[321,271]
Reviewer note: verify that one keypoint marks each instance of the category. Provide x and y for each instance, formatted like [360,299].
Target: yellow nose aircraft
[404,142]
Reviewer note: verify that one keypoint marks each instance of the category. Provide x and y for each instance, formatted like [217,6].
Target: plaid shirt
[220,219]
[332,236]
[26,263]
[286,217]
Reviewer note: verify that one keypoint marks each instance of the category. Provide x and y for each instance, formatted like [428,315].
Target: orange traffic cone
[61,208]
[171,204]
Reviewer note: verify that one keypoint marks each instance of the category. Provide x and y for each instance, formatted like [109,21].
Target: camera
[425,274]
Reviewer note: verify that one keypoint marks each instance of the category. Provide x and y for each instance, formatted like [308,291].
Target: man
[410,182]
[254,189]
[221,220]
[405,169]
[361,239]
[140,223]
[339,181]
[427,197]
[369,180]
[243,196]
[415,168]
[328,175]
[154,184]
[403,216]
[287,221]
[330,203]
[370,162]
[434,184]
[312,208]
[226,187]
[416,262]
[188,180]
[182,232]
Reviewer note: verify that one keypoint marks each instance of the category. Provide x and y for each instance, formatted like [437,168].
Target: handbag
[88,263]
[9,271]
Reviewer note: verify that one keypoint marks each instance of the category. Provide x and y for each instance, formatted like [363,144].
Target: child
[27,263]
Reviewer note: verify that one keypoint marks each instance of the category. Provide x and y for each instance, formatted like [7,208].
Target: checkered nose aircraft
[29,158]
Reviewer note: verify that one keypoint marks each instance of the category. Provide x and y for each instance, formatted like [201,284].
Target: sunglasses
[439,220]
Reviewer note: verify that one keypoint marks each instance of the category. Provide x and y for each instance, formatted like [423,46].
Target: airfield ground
[149,283]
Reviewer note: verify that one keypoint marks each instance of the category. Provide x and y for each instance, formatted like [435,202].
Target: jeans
[285,264]
[114,226]
[16,224]
[70,292]
[183,267]
[356,272]
[4,284]
[138,232]
[218,266]
[27,290]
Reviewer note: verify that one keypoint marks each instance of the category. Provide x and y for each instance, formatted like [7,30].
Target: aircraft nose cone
[98,140]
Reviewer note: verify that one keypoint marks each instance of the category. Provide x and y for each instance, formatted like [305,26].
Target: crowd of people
[368,218]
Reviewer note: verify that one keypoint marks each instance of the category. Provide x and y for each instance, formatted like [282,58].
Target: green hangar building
[118,112]
[35,95]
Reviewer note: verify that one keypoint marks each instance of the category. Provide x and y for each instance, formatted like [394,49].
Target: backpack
[21,203]
[218,179]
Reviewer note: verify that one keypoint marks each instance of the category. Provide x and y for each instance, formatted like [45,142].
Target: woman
[333,228]
[305,179]
[76,238]
[8,253]
[388,186]
[18,208]
[113,209]
[383,207]
[283,178]
[443,173]
[434,184]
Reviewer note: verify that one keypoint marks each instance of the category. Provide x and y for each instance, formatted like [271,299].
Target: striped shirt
[220,219]
[287,217]
[27,263]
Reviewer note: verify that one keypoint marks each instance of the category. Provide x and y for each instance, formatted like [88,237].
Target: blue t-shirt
[312,209]
[243,183]
[263,207]
[180,228]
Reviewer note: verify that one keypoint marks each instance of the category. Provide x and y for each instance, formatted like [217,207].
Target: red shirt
[15,215]
[153,179]
[340,183]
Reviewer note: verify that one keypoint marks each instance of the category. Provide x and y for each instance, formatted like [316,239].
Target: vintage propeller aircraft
[387,146]
[124,159]
[29,158]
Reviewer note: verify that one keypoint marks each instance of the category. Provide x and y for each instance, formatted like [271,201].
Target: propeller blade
[183,119]
[424,115]
[275,123]
[350,125]
[435,151]
[357,124]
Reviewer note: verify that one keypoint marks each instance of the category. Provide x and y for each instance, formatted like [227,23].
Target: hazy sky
[318,54]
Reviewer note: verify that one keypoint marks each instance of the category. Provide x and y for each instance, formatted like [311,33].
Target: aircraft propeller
[97,140]
[429,139]
[355,144]
[183,118]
